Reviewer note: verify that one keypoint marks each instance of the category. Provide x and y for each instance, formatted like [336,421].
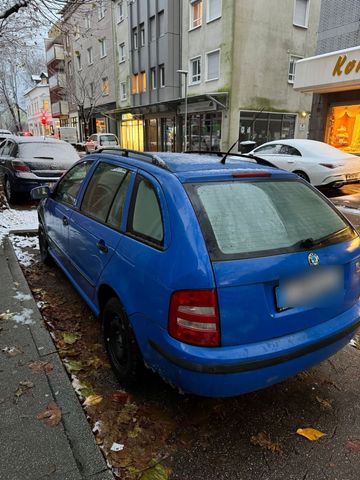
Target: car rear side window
[248,219]
[69,186]
[145,219]
[105,194]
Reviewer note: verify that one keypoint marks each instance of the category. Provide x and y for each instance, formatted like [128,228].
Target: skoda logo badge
[313,259]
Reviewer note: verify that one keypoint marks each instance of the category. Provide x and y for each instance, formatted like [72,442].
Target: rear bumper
[337,181]
[229,371]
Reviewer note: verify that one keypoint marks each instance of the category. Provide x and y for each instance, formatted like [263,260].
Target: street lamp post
[185,73]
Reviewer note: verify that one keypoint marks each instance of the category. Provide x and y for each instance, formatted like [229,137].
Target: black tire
[121,344]
[9,190]
[302,175]
[44,247]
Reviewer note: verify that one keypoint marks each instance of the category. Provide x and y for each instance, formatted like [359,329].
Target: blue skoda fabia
[224,278]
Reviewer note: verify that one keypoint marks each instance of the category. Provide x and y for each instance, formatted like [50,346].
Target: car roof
[190,166]
[20,139]
[311,147]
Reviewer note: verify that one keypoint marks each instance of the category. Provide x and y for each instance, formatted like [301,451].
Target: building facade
[333,76]
[38,103]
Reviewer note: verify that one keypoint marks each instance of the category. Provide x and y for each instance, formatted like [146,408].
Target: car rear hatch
[283,258]
[47,159]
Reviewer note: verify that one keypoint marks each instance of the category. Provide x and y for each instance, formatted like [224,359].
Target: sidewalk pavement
[29,448]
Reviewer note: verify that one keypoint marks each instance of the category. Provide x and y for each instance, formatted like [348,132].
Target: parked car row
[223,278]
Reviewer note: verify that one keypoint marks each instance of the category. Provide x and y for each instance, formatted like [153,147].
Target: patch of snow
[97,427]
[11,219]
[76,384]
[21,243]
[22,296]
[117,447]
[24,317]
[353,211]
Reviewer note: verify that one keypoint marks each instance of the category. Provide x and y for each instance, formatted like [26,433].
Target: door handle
[65,221]
[102,246]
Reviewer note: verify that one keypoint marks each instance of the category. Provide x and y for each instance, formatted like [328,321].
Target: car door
[60,206]
[94,230]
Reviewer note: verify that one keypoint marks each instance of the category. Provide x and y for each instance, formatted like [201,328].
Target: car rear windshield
[108,138]
[48,151]
[242,219]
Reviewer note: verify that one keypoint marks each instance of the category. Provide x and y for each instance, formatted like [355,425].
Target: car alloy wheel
[120,343]
[8,190]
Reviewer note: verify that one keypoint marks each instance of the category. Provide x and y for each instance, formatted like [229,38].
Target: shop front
[334,79]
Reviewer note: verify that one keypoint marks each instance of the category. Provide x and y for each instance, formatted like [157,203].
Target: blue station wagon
[223,278]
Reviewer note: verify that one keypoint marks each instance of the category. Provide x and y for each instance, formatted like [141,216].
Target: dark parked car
[223,278]
[29,162]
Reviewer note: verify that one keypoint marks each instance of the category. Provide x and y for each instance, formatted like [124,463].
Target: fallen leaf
[70,338]
[40,366]
[157,472]
[5,316]
[263,440]
[92,400]
[353,445]
[324,404]
[97,362]
[12,351]
[68,352]
[127,413]
[310,433]
[355,342]
[119,396]
[52,414]
[73,366]
[135,432]
[23,387]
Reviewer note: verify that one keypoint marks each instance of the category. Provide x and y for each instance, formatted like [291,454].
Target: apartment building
[333,76]
[38,103]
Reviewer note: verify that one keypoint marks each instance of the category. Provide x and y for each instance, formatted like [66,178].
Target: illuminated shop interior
[343,128]
[132,132]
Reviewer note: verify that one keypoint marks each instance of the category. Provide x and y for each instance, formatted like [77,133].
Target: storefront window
[265,127]
[160,134]
[100,125]
[132,132]
[204,132]
[343,128]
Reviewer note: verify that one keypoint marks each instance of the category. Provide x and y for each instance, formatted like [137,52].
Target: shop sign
[344,66]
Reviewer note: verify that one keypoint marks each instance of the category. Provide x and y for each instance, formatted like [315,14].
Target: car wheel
[302,175]
[120,343]
[44,247]
[9,191]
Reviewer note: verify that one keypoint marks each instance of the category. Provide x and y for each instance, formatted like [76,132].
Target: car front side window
[69,186]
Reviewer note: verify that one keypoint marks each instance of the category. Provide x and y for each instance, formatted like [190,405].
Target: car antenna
[223,160]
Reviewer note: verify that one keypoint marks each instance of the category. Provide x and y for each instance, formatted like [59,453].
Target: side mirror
[39,193]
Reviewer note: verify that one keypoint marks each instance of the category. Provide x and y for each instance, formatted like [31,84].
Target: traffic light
[43,119]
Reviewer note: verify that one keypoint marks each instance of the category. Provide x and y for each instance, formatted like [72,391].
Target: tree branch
[14,9]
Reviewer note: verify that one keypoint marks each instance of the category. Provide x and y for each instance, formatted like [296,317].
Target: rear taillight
[20,167]
[194,317]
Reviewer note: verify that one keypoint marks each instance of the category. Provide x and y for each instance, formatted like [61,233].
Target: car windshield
[48,151]
[244,219]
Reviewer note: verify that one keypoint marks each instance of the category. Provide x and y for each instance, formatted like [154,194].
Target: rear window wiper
[311,243]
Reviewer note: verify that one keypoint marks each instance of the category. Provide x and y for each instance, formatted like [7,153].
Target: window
[87,21]
[79,61]
[161,23]
[135,38]
[162,75]
[135,84]
[145,220]
[213,65]
[90,55]
[248,219]
[69,186]
[292,64]
[152,28]
[45,105]
[289,150]
[195,70]
[213,9]
[105,86]
[123,91]
[104,196]
[101,9]
[70,68]
[153,78]
[102,47]
[195,13]
[142,82]
[142,34]
[120,11]
[266,127]
[122,52]
[301,13]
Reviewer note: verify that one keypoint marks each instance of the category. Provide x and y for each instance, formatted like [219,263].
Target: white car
[98,140]
[317,162]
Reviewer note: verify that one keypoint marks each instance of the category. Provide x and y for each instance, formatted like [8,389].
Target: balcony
[60,108]
[55,54]
[57,81]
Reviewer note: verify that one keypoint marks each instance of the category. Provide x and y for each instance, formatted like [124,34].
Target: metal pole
[186,111]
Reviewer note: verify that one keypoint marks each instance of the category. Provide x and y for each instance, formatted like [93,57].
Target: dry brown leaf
[52,414]
[324,404]
[263,440]
[119,396]
[310,433]
[92,400]
[40,366]
[23,387]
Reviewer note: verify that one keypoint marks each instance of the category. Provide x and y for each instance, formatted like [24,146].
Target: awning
[332,72]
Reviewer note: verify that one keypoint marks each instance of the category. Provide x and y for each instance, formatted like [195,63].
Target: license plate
[353,176]
[310,289]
